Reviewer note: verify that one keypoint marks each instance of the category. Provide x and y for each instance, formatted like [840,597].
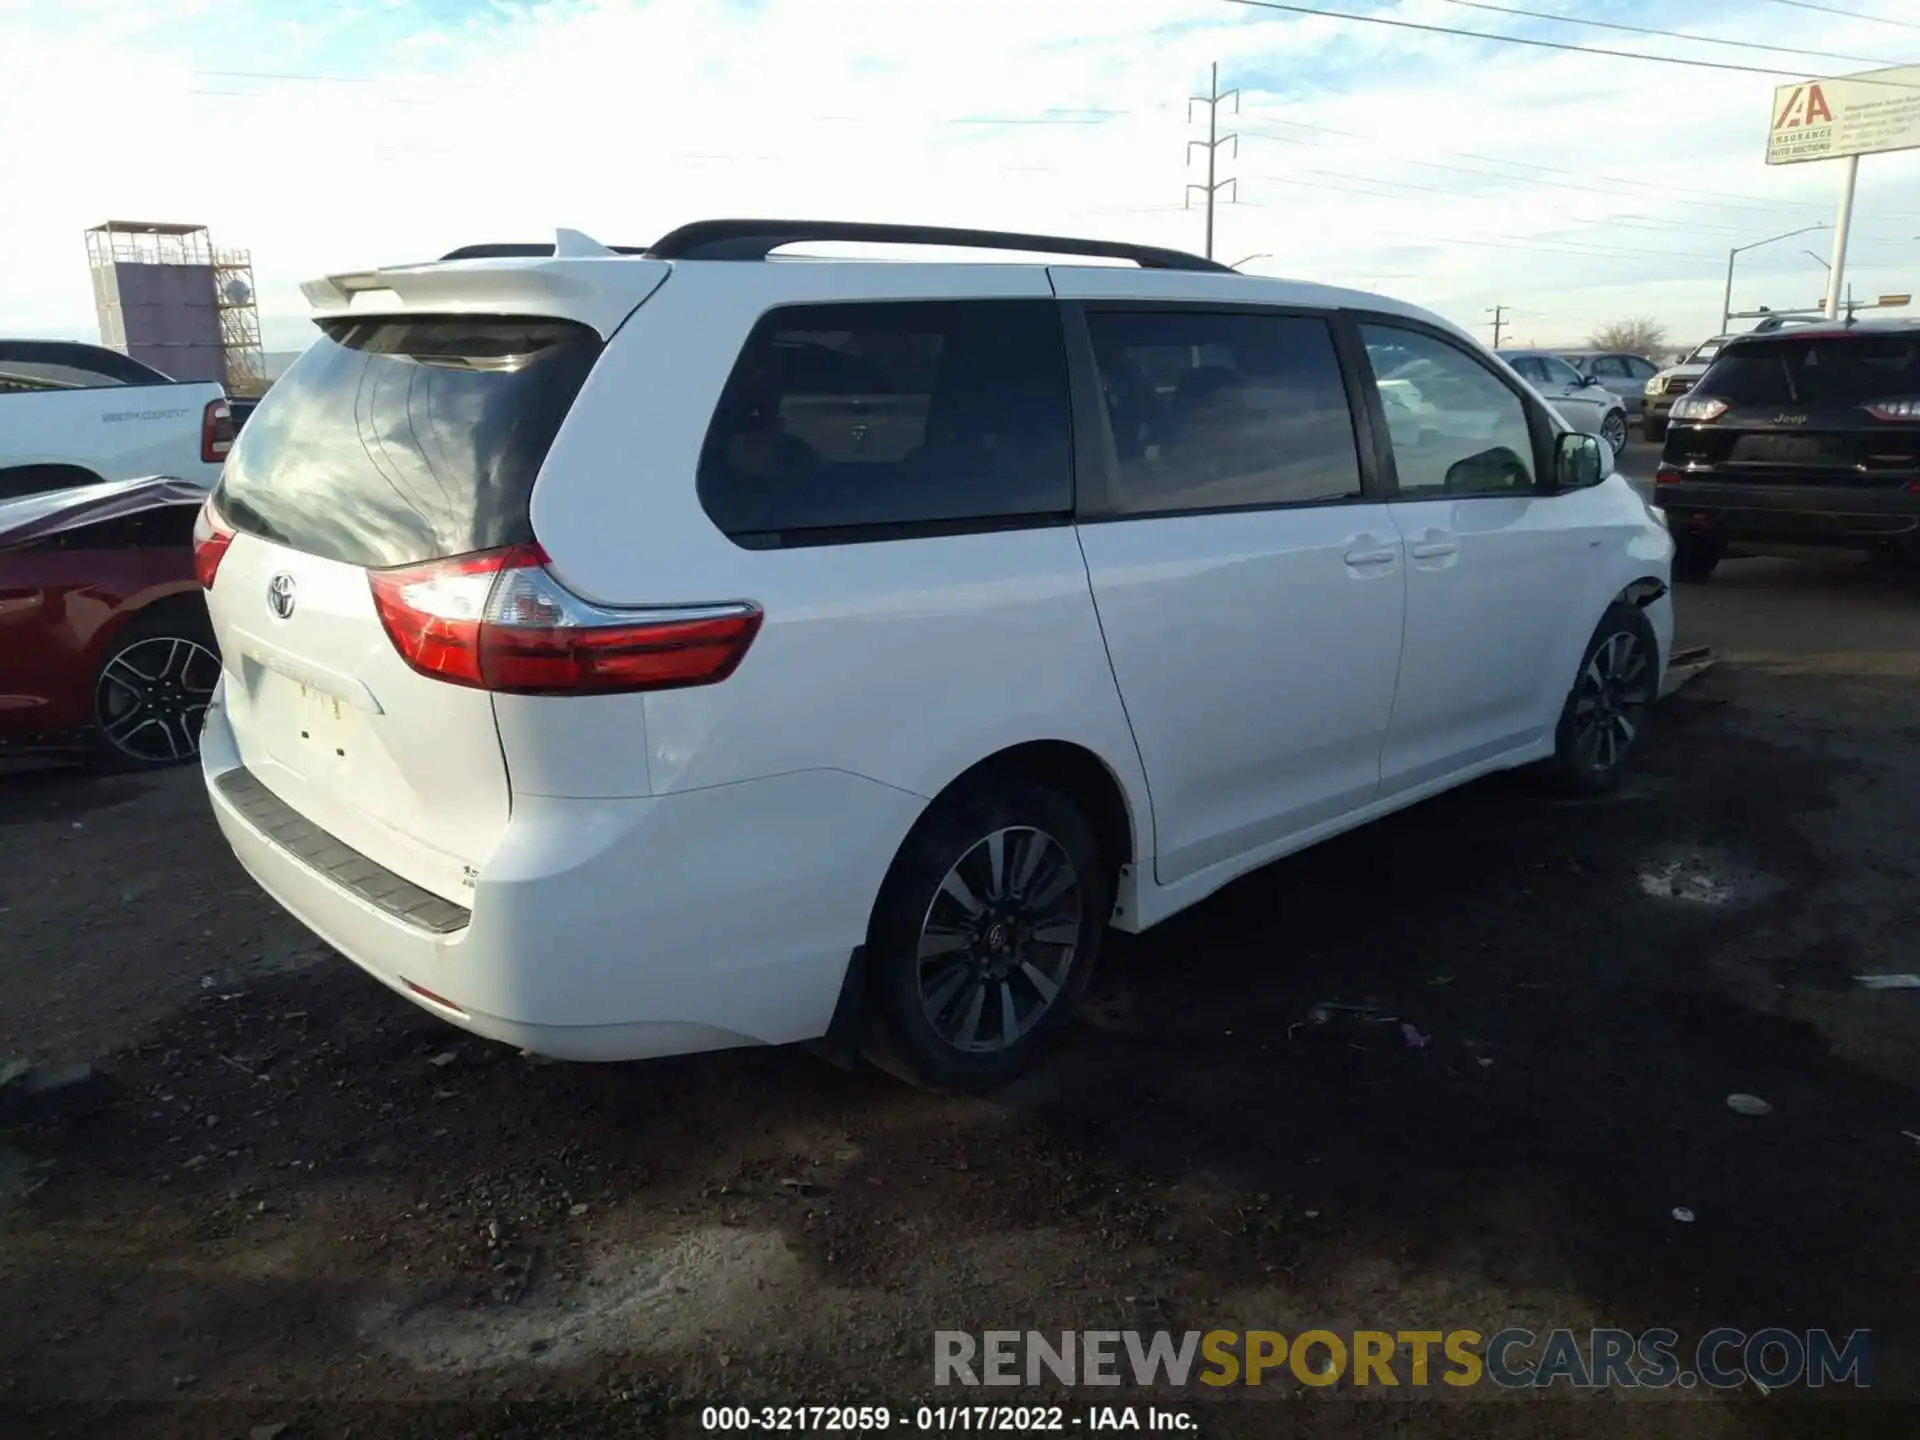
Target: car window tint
[398,439]
[1850,370]
[841,417]
[1528,367]
[1641,369]
[1558,372]
[47,375]
[1611,366]
[1217,411]
[1454,427]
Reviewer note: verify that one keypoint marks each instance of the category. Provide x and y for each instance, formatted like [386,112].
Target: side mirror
[1580,460]
[1490,471]
[1588,380]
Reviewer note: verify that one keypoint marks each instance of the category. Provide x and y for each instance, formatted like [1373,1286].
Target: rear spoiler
[505,281]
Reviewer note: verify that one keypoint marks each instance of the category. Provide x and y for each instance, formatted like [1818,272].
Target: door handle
[1433,549]
[1360,558]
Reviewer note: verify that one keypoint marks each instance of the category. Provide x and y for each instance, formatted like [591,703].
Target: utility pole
[1212,100]
[1499,314]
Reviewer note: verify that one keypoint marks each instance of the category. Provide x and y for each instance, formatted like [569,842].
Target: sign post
[1843,119]
[1840,227]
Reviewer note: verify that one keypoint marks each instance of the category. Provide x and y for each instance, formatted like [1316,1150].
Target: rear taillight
[216,432]
[1667,475]
[1699,408]
[1907,409]
[211,537]
[500,621]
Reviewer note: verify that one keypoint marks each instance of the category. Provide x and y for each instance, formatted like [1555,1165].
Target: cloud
[1457,173]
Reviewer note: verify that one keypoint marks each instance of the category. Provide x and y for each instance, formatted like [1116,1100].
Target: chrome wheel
[998,940]
[1613,430]
[151,698]
[1610,701]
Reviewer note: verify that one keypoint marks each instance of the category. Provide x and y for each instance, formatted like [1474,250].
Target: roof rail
[755,239]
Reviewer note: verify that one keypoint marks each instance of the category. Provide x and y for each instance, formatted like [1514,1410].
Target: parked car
[1621,372]
[631,656]
[1581,400]
[73,414]
[105,645]
[1802,436]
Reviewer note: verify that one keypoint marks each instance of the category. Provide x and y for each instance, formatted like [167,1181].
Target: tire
[1695,557]
[1613,430]
[941,1022]
[1654,429]
[151,688]
[1605,715]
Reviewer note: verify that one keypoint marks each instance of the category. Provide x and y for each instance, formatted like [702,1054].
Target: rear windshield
[397,440]
[1816,370]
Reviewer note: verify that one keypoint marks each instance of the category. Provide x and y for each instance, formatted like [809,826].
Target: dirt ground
[291,1199]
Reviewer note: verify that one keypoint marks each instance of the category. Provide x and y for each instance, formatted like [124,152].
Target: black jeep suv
[1797,437]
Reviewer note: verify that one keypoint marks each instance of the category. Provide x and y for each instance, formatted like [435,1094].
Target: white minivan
[637,652]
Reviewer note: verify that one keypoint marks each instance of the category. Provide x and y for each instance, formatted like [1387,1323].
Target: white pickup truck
[75,414]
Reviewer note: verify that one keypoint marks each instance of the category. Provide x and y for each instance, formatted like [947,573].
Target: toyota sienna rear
[635,653]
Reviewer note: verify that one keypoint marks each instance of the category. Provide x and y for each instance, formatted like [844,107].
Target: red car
[105,645]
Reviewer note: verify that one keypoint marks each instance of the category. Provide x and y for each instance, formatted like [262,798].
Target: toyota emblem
[280,595]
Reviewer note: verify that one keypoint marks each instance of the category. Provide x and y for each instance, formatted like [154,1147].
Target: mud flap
[844,1041]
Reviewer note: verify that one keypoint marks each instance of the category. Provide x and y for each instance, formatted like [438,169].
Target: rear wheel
[1695,556]
[151,691]
[1605,715]
[986,934]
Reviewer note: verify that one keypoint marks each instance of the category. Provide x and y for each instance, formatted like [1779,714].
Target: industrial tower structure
[165,296]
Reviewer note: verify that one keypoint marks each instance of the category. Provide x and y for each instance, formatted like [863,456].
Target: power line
[1847,14]
[1212,100]
[1664,34]
[1631,189]
[1541,44]
[1552,246]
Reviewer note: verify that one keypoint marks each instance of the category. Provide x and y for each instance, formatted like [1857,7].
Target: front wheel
[986,933]
[1605,714]
[1613,430]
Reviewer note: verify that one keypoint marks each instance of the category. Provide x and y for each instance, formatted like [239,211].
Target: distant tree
[1639,335]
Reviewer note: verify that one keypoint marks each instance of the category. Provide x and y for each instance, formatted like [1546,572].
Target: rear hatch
[1832,408]
[394,441]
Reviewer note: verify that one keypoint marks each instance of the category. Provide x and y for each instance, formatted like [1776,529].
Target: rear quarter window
[852,421]
[396,440]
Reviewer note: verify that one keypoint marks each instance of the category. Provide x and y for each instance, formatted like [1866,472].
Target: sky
[1572,189]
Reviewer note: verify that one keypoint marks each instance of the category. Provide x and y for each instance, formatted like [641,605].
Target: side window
[1218,411]
[1454,427]
[841,417]
[1641,369]
[49,375]
[1558,373]
[1611,367]
[1529,368]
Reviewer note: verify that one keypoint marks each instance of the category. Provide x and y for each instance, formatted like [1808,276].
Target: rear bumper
[1823,514]
[611,929]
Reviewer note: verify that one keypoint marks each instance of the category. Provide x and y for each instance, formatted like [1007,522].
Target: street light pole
[1726,302]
